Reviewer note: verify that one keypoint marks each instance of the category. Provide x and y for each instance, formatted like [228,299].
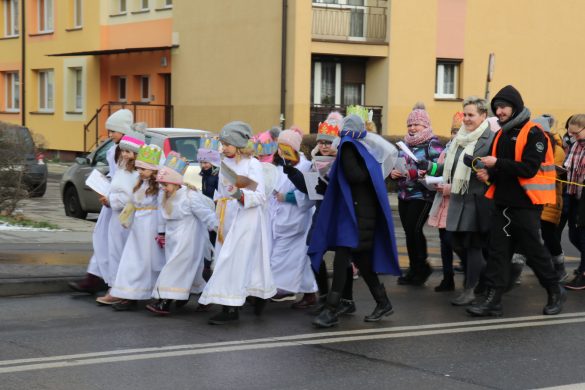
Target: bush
[12,152]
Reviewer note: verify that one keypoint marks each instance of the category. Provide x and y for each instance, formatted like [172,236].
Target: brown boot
[91,284]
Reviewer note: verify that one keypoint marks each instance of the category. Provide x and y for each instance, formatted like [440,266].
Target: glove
[321,187]
[424,165]
[160,240]
[288,169]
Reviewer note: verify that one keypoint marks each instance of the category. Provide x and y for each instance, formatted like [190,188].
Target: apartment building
[66,64]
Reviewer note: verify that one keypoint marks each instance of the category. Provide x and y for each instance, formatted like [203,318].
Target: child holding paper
[290,217]
[242,250]
[117,124]
[187,217]
[120,195]
[142,259]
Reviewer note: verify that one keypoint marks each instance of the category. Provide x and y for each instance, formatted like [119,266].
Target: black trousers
[517,228]
[413,215]
[341,262]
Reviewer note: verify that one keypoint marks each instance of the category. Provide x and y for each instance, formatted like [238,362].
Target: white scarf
[467,141]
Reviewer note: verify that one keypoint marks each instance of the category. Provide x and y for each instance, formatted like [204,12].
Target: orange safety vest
[541,187]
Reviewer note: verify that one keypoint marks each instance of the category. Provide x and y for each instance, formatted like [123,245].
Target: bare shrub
[12,155]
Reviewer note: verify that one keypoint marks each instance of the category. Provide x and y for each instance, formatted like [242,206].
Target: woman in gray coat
[469,211]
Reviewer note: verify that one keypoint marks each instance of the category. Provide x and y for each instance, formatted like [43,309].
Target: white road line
[289,338]
[276,343]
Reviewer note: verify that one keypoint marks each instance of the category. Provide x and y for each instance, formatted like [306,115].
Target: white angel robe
[188,217]
[142,258]
[242,260]
[98,264]
[290,223]
[121,191]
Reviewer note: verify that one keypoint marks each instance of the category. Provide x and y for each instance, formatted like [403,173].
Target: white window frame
[77,89]
[46,16]
[12,91]
[11,18]
[143,3]
[167,3]
[122,6]
[440,92]
[317,80]
[46,90]
[77,13]
[125,80]
[142,98]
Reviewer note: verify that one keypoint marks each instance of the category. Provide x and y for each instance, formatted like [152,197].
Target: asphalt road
[67,342]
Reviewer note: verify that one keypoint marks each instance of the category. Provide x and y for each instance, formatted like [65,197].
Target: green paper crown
[149,154]
[360,111]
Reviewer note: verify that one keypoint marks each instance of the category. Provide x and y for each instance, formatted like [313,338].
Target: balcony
[319,113]
[346,22]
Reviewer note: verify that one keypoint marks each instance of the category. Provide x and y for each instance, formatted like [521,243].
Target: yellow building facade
[385,54]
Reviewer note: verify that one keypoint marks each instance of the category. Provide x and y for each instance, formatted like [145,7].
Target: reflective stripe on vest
[541,188]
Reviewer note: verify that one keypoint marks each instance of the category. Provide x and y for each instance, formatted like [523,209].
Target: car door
[97,160]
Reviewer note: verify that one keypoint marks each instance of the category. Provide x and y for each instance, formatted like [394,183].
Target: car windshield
[186,146]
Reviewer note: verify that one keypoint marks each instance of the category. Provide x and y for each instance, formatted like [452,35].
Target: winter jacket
[552,212]
[209,181]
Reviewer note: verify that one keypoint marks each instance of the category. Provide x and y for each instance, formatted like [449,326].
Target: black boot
[407,277]
[179,303]
[489,305]
[556,297]
[421,276]
[383,308]
[346,306]
[228,314]
[447,284]
[321,303]
[259,305]
[328,317]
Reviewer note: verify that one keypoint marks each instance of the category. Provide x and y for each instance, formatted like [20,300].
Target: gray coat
[471,212]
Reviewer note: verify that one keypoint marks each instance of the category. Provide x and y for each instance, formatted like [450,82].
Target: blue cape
[336,223]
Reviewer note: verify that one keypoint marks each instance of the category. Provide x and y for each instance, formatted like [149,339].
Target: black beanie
[510,95]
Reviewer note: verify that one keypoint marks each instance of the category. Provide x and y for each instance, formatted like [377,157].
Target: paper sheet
[98,182]
[311,181]
[405,149]
[228,173]
[430,180]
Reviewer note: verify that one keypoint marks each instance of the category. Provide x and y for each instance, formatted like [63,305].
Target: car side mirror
[82,160]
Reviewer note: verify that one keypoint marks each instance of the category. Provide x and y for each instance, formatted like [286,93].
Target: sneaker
[578,283]
[283,296]
[161,307]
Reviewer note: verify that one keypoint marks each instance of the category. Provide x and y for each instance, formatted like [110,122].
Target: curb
[36,286]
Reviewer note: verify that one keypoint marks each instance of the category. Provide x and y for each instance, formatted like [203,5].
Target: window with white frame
[45,15]
[10,18]
[76,78]
[77,13]
[168,3]
[447,80]
[122,89]
[338,82]
[144,4]
[144,89]
[12,93]
[46,91]
[122,6]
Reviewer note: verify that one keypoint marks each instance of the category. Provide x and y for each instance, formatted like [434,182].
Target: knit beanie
[354,126]
[327,131]
[209,155]
[335,118]
[508,96]
[457,120]
[544,122]
[236,133]
[274,132]
[132,141]
[120,121]
[291,138]
[419,115]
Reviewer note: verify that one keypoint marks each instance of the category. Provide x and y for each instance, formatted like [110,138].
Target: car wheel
[38,191]
[72,204]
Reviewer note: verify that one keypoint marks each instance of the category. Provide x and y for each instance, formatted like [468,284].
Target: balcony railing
[319,113]
[355,23]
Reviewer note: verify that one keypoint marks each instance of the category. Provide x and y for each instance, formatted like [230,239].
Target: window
[12,84]
[122,88]
[45,15]
[144,4]
[446,84]
[168,3]
[339,82]
[77,13]
[122,9]
[78,89]
[11,18]
[144,89]
[46,92]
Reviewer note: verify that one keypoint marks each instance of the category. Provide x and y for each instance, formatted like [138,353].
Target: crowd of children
[266,213]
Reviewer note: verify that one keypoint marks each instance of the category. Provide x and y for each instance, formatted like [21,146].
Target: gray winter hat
[544,122]
[353,124]
[236,133]
[274,132]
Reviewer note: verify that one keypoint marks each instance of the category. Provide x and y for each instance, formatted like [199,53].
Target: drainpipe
[283,66]
[23,63]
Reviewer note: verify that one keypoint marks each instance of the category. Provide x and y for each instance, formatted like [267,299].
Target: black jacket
[209,181]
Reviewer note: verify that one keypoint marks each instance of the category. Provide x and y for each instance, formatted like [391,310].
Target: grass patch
[20,220]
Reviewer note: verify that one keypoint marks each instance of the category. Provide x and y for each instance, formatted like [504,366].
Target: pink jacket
[438,213]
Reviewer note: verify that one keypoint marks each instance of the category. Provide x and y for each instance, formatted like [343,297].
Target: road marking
[20,365]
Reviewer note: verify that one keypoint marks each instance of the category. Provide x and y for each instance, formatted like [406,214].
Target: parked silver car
[79,199]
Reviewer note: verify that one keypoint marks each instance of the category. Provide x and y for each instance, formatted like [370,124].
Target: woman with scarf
[355,219]
[414,199]
[468,217]
[575,164]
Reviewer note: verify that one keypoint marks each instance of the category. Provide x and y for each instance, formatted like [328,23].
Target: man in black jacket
[516,220]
